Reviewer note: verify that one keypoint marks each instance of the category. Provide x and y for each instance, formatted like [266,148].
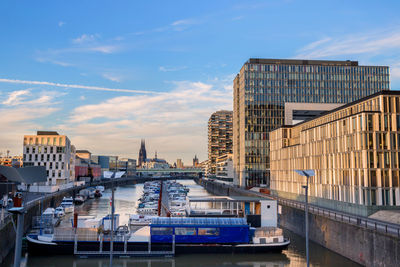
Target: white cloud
[112,77]
[20,115]
[183,24]
[55,62]
[63,85]
[238,18]
[370,43]
[105,49]
[82,97]
[15,97]
[61,23]
[168,69]
[174,123]
[85,38]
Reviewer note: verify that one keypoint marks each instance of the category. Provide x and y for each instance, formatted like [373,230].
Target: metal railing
[367,223]
[126,251]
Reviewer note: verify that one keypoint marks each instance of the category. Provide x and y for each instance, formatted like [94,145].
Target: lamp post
[112,211]
[307,174]
[20,211]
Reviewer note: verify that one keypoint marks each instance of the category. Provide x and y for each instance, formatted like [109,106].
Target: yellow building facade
[354,151]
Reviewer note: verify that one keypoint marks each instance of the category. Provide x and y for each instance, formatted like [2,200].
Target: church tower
[142,153]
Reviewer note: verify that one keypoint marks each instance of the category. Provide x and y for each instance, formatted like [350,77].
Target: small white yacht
[68,204]
[59,212]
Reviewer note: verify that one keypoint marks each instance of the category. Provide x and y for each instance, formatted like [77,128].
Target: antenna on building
[155,156]
[8,153]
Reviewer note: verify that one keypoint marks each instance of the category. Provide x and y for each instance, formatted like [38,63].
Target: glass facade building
[262,88]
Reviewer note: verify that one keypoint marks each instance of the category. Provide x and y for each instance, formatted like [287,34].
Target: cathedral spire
[142,153]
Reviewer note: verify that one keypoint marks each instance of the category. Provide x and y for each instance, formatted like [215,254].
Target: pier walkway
[164,201]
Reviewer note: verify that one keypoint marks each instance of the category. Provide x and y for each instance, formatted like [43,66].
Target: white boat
[49,217]
[147,211]
[68,204]
[140,220]
[100,188]
[79,199]
[59,212]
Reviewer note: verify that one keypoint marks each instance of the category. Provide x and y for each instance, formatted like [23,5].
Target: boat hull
[36,247]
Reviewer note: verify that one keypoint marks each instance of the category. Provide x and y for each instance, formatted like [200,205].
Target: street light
[307,174]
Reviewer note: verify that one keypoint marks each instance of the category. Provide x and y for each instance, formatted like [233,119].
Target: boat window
[185,231]
[208,231]
[161,231]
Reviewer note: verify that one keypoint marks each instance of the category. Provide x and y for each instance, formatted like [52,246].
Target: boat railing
[125,251]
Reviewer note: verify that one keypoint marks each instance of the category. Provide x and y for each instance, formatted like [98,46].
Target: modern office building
[262,88]
[127,165]
[219,137]
[354,151]
[53,151]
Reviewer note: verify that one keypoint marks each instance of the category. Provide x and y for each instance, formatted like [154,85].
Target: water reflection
[126,202]
[200,260]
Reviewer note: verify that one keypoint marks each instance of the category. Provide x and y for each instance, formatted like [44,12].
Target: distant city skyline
[108,77]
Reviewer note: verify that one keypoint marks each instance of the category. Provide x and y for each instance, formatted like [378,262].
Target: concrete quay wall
[361,245]
[34,208]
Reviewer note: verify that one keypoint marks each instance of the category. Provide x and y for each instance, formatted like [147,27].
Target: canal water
[126,198]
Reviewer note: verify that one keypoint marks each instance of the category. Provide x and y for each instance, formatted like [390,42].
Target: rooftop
[83,151]
[47,133]
[197,221]
[385,92]
[302,62]
[224,199]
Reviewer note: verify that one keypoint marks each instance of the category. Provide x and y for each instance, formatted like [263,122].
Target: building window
[45,149]
[59,157]
[185,231]
[208,231]
[51,149]
[33,149]
[161,231]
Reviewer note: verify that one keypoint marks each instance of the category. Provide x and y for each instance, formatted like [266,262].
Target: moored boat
[181,235]
[68,204]
[79,199]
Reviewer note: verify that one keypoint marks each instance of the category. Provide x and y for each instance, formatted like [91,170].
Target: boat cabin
[259,212]
[199,230]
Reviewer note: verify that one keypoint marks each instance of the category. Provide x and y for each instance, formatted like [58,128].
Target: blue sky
[107,73]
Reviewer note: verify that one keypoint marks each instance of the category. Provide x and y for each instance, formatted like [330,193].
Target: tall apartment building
[262,88]
[354,151]
[219,137]
[53,151]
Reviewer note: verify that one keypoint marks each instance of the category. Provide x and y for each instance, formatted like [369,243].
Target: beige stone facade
[53,151]
[353,149]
